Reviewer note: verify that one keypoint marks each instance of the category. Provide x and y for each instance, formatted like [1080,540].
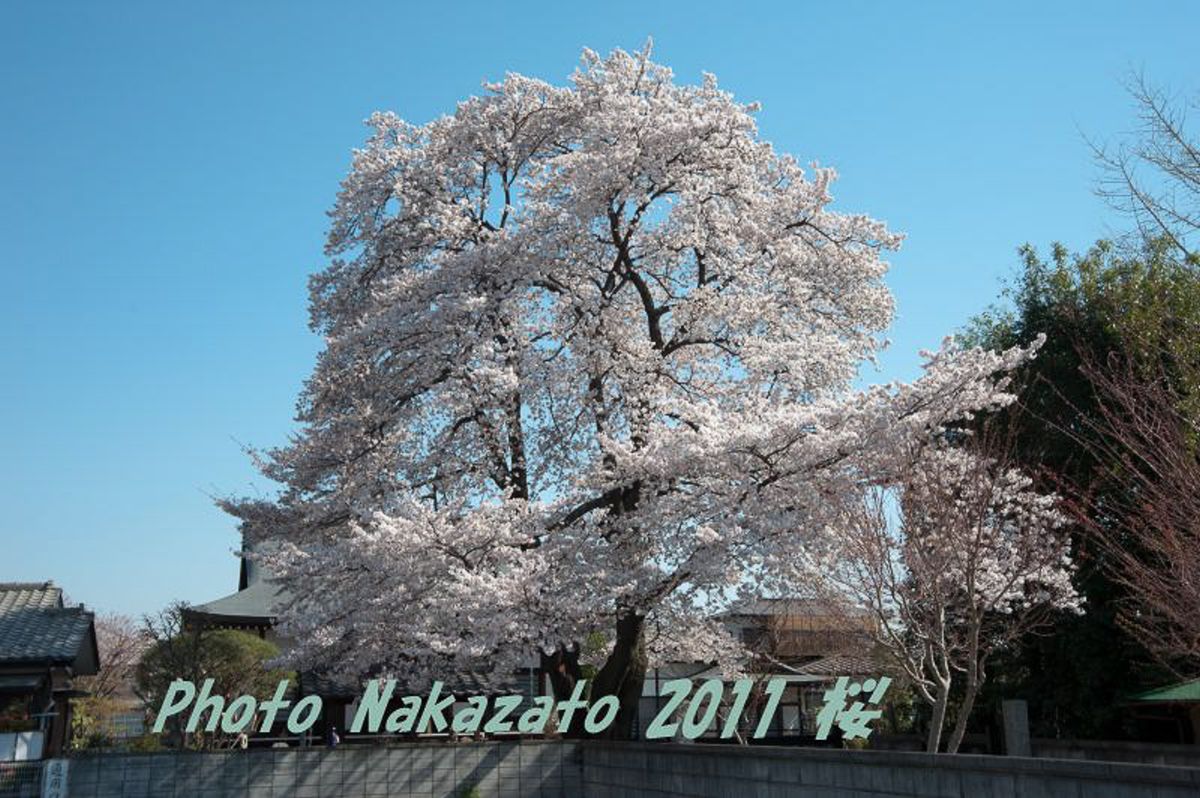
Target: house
[44,645]
[804,642]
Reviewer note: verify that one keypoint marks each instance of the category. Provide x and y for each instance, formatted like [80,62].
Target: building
[252,607]
[801,641]
[1169,714]
[44,645]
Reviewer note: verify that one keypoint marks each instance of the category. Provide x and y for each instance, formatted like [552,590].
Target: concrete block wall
[495,770]
[597,769]
[642,770]
[1106,751]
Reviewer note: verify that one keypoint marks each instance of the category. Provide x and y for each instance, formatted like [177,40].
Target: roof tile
[34,624]
[25,595]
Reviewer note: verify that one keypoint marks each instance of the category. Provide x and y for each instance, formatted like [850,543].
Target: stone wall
[725,771]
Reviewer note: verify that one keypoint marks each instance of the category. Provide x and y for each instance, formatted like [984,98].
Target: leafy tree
[1142,306]
[588,366]
[235,660]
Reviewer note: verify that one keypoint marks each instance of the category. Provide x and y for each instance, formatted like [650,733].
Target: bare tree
[1155,177]
[954,563]
[1146,514]
[121,641]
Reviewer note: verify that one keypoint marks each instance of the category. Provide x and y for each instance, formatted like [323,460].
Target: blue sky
[165,169]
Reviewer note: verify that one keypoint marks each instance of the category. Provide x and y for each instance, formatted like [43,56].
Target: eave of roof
[257,604]
[1183,692]
[21,682]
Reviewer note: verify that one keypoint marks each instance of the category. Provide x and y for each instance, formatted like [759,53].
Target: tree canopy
[588,363]
[236,661]
[1109,307]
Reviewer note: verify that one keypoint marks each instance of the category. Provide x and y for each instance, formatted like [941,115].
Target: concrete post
[1016,728]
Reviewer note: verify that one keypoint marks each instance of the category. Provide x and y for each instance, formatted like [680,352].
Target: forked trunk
[623,674]
[964,714]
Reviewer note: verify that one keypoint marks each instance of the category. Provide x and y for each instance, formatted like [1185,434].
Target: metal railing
[21,779]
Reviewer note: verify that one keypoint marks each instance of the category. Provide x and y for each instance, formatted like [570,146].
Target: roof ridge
[75,610]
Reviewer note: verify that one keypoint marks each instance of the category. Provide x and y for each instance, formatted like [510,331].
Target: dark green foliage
[1143,308]
[236,661]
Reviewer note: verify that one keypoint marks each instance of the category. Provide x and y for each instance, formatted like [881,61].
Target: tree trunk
[563,670]
[623,674]
[964,713]
[937,720]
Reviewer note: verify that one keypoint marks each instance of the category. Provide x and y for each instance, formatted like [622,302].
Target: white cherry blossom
[588,357]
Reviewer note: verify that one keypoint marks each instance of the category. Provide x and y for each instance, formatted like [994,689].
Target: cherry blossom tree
[954,560]
[588,362]
[121,642]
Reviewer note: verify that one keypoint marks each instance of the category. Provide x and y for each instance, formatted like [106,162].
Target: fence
[640,770]
[594,769]
[1175,754]
[20,779]
[527,769]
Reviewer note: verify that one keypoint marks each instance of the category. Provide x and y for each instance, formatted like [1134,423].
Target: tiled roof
[36,627]
[792,607]
[54,635]
[260,600]
[462,684]
[29,595]
[842,665]
[479,683]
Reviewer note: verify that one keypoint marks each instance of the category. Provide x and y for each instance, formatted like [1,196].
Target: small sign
[54,778]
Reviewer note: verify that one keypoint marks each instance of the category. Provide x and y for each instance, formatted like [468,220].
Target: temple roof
[1183,692]
[797,607]
[459,683]
[258,603]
